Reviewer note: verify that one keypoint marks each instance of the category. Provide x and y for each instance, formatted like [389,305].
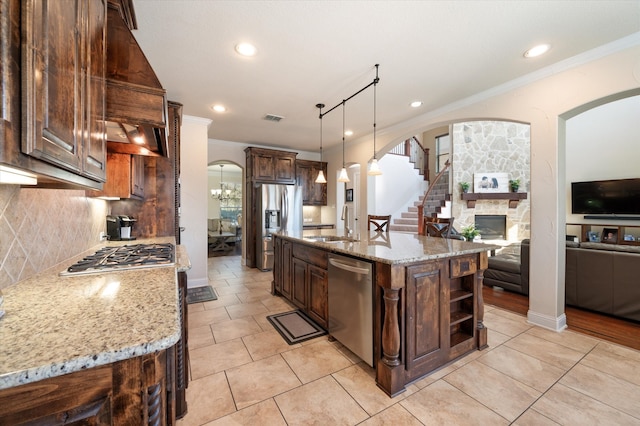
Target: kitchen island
[101,346]
[427,304]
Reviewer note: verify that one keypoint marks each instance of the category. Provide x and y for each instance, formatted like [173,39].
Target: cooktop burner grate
[124,257]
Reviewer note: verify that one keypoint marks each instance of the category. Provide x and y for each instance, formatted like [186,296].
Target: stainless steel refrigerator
[279,208]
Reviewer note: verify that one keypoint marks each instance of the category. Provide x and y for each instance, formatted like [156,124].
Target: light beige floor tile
[260,380]
[200,318]
[259,285]
[223,300]
[267,343]
[511,316]
[246,310]
[323,402]
[234,329]
[254,295]
[276,305]
[200,336]
[544,350]
[264,413]
[360,383]
[239,281]
[196,307]
[502,394]
[532,418]
[394,415]
[569,407]
[203,404]
[231,289]
[618,393]
[504,325]
[219,357]
[442,404]
[264,323]
[310,362]
[615,360]
[578,342]
[524,368]
[495,338]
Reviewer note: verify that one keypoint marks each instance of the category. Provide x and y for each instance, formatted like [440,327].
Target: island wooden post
[480,328]
[390,369]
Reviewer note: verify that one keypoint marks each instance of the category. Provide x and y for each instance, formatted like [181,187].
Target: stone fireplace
[491,147]
[492,227]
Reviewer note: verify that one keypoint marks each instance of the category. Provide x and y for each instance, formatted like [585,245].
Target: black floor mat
[201,294]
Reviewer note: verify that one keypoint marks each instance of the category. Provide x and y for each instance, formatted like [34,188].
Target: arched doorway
[224,208]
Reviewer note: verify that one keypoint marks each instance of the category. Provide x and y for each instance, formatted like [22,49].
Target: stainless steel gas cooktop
[124,258]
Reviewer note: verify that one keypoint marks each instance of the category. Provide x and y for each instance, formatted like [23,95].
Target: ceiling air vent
[273,117]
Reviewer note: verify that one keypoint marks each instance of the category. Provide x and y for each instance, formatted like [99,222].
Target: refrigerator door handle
[284,205]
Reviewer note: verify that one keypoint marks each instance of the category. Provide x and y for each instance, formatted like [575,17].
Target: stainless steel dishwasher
[351,304]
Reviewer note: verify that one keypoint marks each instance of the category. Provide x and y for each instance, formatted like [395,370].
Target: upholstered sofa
[604,278]
[510,270]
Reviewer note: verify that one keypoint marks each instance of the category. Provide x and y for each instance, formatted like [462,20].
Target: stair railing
[417,154]
[426,197]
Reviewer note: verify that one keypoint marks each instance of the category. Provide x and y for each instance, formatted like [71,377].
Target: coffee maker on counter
[119,228]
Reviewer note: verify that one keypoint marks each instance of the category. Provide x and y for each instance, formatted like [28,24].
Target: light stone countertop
[390,247]
[56,325]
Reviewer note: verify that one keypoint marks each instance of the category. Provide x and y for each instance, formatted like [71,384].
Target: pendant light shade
[343,177]
[374,168]
[320,178]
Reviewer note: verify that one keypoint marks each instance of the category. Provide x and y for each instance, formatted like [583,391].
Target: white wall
[603,143]
[193,196]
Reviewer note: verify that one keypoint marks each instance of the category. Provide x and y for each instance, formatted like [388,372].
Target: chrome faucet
[345,217]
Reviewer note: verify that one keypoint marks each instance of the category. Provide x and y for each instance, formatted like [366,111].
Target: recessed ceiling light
[246,49]
[537,50]
[219,108]
[416,104]
[348,133]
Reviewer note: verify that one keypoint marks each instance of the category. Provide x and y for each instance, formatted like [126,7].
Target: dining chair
[380,222]
[438,226]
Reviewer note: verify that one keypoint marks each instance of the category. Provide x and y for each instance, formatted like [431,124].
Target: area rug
[295,326]
[201,294]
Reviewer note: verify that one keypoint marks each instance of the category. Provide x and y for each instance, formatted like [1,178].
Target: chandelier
[222,193]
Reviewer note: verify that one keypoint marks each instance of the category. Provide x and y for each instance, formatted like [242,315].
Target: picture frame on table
[593,236]
[348,195]
[610,235]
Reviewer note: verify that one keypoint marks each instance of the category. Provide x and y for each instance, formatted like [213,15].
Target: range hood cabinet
[136,103]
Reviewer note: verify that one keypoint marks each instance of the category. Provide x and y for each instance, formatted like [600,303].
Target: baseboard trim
[546,321]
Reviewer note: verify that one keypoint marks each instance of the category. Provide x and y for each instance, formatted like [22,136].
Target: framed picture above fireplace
[491,182]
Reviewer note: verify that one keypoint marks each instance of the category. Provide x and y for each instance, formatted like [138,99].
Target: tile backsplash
[40,228]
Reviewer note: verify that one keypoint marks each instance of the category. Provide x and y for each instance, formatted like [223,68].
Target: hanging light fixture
[374,168]
[221,194]
[320,178]
[343,177]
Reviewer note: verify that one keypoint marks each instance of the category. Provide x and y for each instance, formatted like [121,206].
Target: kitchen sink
[329,239]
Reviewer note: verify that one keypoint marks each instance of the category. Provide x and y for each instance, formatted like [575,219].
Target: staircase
[438,197]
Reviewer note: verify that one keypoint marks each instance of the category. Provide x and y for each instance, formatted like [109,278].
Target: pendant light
[343,177]
[374,168]
[320,178]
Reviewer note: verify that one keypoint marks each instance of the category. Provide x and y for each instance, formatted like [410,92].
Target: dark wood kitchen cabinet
[263,166]
[63,93]
[52,91]
[303,270]
[271,166]
[313,194]
[125,177]
[128,392]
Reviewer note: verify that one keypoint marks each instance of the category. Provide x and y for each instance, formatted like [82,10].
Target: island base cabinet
[128,392]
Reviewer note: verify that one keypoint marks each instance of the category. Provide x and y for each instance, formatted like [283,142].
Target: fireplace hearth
[491,227]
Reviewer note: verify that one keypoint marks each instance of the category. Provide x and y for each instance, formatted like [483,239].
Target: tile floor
[243,372]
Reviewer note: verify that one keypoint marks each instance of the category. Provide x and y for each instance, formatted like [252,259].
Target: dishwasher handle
[347,267]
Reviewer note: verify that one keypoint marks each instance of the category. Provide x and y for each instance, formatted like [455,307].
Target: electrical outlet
[103,235]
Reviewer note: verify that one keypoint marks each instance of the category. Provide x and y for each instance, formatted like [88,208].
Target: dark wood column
[481,330]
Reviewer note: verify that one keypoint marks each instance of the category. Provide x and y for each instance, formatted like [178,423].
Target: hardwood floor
[605,327]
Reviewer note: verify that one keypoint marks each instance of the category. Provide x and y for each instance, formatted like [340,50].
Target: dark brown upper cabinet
[63,84]
[313,194]
[271,166]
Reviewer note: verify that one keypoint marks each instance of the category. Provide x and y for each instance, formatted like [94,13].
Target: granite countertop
[56,325]
[390,247]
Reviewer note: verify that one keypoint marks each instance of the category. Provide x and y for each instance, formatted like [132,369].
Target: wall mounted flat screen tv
[612,197]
